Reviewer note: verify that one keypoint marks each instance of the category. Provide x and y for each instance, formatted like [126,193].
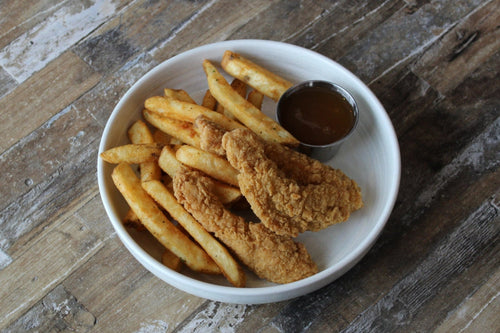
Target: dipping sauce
[316,115]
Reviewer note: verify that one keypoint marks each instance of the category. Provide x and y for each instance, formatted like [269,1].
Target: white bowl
[370,156]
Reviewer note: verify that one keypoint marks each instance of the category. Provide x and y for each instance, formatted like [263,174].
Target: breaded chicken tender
[289,191]
[273,257]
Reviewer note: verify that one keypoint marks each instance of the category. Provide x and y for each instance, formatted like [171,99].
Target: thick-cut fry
[241,88]
[171,165]
[211,164]
[209,101]
[255,76]
[179,94]
[162,137]
[168,162]
[132,153]
[131,220]
[180,130]
[227,194]
[157,223]
[256,98]
[139,133]
[172,261]
[243,110]
[229,267]
[179,110]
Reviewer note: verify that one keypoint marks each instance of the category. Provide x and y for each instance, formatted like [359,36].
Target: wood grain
[434,65]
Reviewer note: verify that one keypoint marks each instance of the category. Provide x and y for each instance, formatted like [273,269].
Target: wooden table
[435,66]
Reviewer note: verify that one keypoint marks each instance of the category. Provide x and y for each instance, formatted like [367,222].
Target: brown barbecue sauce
[317,116]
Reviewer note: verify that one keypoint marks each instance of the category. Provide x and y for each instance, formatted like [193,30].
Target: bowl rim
[290,290]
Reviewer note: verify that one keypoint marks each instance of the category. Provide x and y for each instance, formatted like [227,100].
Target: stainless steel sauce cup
[327,151]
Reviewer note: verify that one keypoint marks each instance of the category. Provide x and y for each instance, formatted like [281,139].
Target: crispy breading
[290,192]
[276,258]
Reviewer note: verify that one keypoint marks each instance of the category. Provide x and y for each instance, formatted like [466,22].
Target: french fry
[172,261]
[181,130]
[256,98]
[179,94]
[211,164]
[179,110]
[227,194]
[139,133]
[243,110]
[209,101]
[157,223]
[241,88]
[254,75]
[132,153]
[170,164]
[162,137]
[228,265]
[131,220]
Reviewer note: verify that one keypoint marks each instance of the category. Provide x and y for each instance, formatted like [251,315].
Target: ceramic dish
[370,156]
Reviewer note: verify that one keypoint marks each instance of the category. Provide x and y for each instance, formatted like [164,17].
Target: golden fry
[172,261]
[131,220]
[229,267]
[179,94]
[171,165]
[243,110]
[157,223]
[181,130]
[254,75]
[241,88]
[209,101]
[256,98]
[211,164]
[168,162]
[179,110]
[165,139]
[226,193]
[139,133]
[132,153]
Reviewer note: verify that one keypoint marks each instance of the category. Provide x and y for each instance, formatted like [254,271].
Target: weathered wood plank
[403,35]
[56,312]
[215,316]
[63,191]
[150,304]
[213,22]
[281,19]
[339,27]
[43,151]
[34,49]
[138,29]
[463,49]
[64,247]
[112,269]
[483,304]
[7,83]
[101,100]
[94,217]
[18,17]
[44,95]
[414,290]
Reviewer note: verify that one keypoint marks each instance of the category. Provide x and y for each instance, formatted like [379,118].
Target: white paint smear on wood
[216,317]
[31,51]
[5,259]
